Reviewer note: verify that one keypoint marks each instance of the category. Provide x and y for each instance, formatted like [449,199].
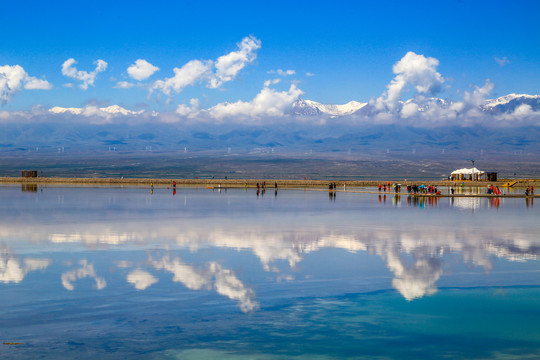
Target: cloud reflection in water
[214,276]
[86,270]
[11,269]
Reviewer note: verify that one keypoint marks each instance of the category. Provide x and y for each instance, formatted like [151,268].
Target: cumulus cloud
[224,69]
[479,95]
[188,111]
[409,109]
[14,78]
[33,83]
[228,66]
[141,70]
[524,113]
[141,279]
[267,103]
[87,78]
[415,70]
[86,270]
[187,75]
[502,61]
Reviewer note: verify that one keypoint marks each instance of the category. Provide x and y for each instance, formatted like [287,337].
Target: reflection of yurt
[467,174]
[467,203]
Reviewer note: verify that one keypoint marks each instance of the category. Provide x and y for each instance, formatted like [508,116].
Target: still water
[129,272]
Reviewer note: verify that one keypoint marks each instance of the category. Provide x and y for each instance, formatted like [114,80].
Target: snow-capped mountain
[510,102]
[113,109]
[311,108]
[429,102]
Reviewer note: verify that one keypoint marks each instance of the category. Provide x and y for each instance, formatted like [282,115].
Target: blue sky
[348,48]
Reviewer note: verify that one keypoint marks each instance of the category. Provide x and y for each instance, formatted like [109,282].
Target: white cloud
[282,72]
[141,279]
[224,69]
[479,95]
[228,66]
[409,109]
[188,111]
[524,113]
[415,70]
[141,70]
[87,78]
[267,83]
[187,75]
[267,103]
[310,74]
[33,83]
[503,61]
[14,78]
[124,85]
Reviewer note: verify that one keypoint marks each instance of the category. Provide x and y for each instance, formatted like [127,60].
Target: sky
[194,57]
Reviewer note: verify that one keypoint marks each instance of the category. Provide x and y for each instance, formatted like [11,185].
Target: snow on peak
[503,100]
[61,110]
[113,109]
[333,110]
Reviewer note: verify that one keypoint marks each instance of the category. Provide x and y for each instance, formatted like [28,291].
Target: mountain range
[503,104]
[123,131]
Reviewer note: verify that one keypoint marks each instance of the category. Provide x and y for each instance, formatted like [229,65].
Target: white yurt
[467,174]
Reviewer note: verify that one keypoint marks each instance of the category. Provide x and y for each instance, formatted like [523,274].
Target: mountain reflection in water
[415,245]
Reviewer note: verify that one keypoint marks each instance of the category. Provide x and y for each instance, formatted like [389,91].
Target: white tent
[467,174]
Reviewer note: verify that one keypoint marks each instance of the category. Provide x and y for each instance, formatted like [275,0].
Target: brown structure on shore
[29,174]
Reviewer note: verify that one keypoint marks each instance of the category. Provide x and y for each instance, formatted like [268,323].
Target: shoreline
[282,183]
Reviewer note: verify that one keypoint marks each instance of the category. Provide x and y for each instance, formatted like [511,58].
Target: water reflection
[413,244]
[422,201]
[213,276]
[12,270]
[85,270]
[141,279]
[396,248]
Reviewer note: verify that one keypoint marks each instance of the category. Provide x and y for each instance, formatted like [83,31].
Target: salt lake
[140,273]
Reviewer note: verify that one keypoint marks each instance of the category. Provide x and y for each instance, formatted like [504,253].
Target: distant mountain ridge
[510,102]
[310,108]
[301,107]
[503,104]
[113,109]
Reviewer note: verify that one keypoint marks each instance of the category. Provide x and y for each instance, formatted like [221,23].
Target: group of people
[263,185]
[411,189]
[529,190]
